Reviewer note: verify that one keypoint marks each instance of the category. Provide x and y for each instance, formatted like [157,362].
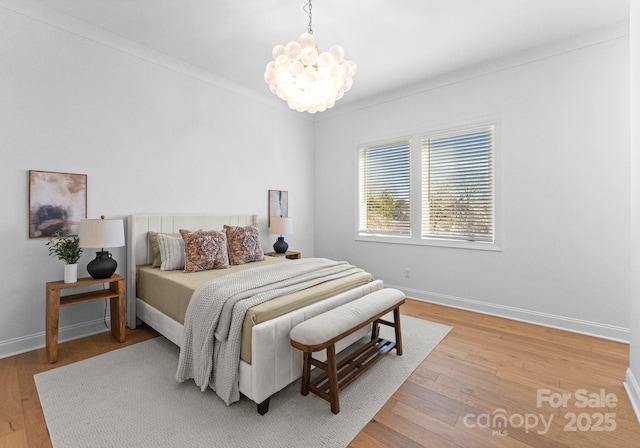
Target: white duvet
[210,350]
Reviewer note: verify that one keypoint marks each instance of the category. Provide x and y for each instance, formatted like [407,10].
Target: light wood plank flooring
[484,367]
[488,366]
[21,419]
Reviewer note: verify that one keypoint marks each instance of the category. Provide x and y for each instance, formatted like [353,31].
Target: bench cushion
[330,324]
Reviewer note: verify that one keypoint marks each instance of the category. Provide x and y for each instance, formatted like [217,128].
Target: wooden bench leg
[332,373]
[306,373]
[375,330]
[396,318]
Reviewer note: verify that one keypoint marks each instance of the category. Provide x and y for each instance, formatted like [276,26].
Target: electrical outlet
[407,272]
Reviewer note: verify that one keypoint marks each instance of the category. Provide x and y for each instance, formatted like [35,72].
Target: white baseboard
[614,333]
[35,341]
[633,390]
[620,334]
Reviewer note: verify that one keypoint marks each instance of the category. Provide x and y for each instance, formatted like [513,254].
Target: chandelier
[307,79]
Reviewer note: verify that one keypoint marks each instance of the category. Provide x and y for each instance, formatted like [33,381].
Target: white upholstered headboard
[139,252]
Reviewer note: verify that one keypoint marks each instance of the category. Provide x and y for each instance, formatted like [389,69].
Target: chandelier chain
[308,9]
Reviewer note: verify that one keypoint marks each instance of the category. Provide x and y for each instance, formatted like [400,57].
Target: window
[385,190]
[457,185]
[436,188]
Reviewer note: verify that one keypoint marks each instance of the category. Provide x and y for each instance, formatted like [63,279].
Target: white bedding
[213,361]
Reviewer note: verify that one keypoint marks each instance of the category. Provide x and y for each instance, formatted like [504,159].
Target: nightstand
[115,293]
[290,254]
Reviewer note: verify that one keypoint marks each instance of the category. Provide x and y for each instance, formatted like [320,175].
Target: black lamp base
[280,246]
[103,266]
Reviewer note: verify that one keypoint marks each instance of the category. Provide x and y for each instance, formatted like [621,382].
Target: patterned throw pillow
[204,250]
[171,251]
[244,244]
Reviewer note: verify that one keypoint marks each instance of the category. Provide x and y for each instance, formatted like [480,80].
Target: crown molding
[532,55]
[84,30]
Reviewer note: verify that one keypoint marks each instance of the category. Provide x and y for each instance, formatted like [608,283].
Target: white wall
[564,123]
[154,138]
[150,138]
[632,383]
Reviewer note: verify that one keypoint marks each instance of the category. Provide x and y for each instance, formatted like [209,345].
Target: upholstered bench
[324,330]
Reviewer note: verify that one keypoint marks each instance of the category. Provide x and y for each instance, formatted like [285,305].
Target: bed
[270,363]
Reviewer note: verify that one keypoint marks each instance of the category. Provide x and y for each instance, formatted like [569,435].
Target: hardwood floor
[486,366]
[21,420]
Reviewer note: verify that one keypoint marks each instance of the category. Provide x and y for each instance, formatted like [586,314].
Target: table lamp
[281,226]
[101,233]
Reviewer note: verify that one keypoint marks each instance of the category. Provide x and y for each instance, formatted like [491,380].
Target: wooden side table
[290,254]
[115,293]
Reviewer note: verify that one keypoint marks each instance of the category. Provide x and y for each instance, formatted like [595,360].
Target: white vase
[71,273]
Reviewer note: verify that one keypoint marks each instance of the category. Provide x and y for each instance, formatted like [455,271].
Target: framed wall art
[278,204]
[57,201]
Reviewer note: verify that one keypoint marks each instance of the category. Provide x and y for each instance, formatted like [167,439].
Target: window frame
[415,138]
[387,143]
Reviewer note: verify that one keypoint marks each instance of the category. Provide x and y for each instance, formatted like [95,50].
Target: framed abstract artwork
[57,201]
[278,204]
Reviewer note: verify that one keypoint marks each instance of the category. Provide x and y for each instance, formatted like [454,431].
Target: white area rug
[129,398]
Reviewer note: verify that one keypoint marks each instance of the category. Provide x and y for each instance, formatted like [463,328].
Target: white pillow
[171,252]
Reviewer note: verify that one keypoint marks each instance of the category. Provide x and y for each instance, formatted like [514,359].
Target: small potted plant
[66,248]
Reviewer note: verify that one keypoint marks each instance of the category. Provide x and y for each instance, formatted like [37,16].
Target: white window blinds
[385,190]
[458,185]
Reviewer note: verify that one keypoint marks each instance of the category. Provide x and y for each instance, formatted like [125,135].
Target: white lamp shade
[281,226]
[101,233]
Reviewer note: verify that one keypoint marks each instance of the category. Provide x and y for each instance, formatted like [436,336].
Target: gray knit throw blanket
[210,351]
